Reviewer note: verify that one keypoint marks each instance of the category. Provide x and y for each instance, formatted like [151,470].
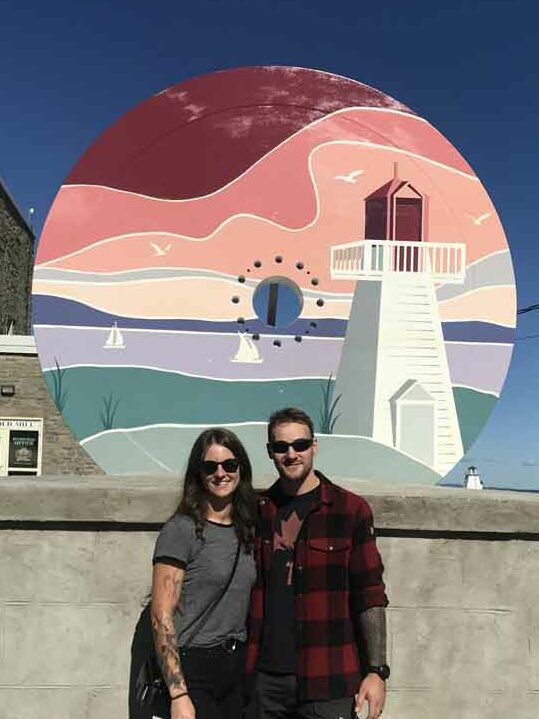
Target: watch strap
[382,670]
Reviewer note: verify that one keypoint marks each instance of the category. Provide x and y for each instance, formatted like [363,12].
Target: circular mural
[267,237]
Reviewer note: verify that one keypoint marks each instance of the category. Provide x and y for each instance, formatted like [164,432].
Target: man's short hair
[286,416]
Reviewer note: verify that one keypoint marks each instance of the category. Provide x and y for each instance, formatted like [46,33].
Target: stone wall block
[55,566]
[436,580]
[2,638]
[466,647]
[531,705]
[68,644]
[116,579]
[492,573]
[107,703]
[415,704]
[44,703]
[531,653]
[452,702]
[503,704]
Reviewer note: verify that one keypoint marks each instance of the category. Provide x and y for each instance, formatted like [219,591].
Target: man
[317,620]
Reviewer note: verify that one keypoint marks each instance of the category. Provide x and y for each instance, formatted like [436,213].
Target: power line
[523,310]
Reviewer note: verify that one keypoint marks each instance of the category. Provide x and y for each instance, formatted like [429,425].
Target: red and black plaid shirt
[337,575]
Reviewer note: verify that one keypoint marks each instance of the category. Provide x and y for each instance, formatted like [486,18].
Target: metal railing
[372,259]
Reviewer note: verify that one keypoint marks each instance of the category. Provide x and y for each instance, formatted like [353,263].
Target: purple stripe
[482,367]
[195,354]
[59,311]
[479,366]
[477,332]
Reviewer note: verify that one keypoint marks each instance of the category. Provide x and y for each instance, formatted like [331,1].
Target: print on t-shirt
[284,538]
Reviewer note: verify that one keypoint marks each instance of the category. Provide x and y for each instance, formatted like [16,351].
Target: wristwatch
[382,670]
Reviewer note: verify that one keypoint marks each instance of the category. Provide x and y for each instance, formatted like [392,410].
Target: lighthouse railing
[372,259]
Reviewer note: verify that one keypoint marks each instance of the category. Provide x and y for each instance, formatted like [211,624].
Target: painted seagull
[351,178]
[160,251]
[479,220]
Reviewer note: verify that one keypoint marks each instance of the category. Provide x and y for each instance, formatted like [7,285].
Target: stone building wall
[62,454]
[16,258]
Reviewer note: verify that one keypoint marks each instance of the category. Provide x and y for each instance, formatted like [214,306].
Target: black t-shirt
[278,650]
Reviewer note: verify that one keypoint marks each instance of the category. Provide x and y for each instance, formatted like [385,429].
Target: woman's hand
[182,708]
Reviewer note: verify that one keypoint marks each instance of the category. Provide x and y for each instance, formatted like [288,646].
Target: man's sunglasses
[229,465]
[298,445]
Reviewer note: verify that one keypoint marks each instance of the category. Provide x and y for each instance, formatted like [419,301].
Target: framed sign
[21,444]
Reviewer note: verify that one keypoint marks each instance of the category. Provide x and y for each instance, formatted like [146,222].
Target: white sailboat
[247,352]
[115,340]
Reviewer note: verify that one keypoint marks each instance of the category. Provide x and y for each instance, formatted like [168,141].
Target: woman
[202,578]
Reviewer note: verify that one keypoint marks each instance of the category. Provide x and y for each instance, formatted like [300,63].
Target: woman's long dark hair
[194,500]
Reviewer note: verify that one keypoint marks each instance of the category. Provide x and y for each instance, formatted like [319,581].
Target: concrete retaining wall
[462,570]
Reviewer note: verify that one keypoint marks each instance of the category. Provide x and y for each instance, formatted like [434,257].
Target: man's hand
[182,708]
[373,690]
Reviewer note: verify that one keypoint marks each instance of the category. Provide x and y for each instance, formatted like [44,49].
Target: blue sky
[471,68]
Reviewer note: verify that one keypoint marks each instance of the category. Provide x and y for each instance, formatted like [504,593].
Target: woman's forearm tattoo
[167,651]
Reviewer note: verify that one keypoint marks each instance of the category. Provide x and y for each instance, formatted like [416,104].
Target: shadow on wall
[141,647]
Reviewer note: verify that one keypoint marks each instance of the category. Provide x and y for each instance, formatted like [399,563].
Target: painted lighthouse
[393,378]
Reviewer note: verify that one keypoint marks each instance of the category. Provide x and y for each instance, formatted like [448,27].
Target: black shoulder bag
[150,684]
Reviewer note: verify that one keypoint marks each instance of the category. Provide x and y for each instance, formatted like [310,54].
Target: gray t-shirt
[208,563]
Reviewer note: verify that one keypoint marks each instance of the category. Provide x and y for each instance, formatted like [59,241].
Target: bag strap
[208,610]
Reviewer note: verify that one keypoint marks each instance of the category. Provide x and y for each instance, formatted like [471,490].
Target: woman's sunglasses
[229,465]
[298,445]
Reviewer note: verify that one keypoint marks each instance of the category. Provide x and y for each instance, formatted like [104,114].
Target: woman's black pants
[214,678]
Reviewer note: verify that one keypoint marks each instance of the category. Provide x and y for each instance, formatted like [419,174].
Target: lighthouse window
[277,301]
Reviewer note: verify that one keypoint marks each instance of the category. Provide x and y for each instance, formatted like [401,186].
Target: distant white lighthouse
[472,479]
[393,379]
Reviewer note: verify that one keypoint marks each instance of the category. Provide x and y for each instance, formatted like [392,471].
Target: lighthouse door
[408,221]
